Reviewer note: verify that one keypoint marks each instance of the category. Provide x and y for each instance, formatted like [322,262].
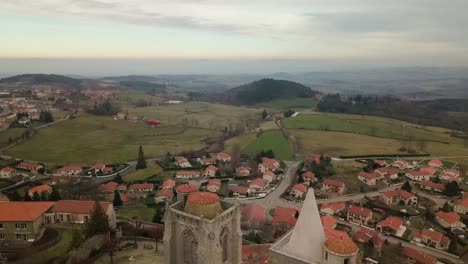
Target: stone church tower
[202,229]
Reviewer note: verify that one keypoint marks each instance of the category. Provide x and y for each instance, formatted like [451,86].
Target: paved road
[352,197]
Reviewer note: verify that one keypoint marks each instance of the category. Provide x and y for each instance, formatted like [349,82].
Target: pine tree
[264,114]
[118,178]
[98,222]
[141,162]
[36,197]
[158,215]
[117,200]
[54,195]
[27,197]
[15,196]
[406,186]
[451,189]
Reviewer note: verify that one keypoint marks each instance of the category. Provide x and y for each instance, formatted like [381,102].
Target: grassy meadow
[151,169]
[298,103]
[273,140]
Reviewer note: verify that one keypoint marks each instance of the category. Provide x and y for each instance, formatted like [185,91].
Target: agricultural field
[89,139]
[298,103]
[8,134]
[138,210]
[151,169]
[273,140]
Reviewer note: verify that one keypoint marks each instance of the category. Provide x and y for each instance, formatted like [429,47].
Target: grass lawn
[291,103]
[243,140]
[274,140]
[89,139]
[10,133]
[59,250]
[139,210]
[151,169]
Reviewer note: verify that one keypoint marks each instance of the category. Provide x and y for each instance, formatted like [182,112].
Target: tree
[118,178]
[98,222]
[54,195]
[15,196]
[44,196]
[77,239]
[451,189]
[158,215]
[141,162]
[446,207]
[46,117]
[158,235]
[264,114]
[453,246]
[407,186]
[27,197]
[117,202]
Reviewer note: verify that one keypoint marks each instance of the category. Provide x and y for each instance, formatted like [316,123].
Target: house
[449,220]
[435,163]
[122,188]
[332,208]
[399,196]
[210,171]
[32,167]
[329,185]
[187,175]
[461,206]
[182,162]
[56,179]
[284,219]
[420,175]
[328,222]
[40,189]
[298,190]
[359,215]
[7,172]
[313,157]
[268,164]
[368,178]
[207,161]
[213,185]
[258,184]
[413,256]
[432,238]
[242,171]
[75,211]
[432,186]
[168,184]
[22,221]
[241,191]
[108,188]
[450,175]
[97,168]
[381,163]
[253,214]
[24,121]
[164,195]
[141,187]
[391,225]
[70,170]
[400,164]
[309,178]
[259,253]
[269,176]
[223,157]
[132,118]
[366,235]
[387,173]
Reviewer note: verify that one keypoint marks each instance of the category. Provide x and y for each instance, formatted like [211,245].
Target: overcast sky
[139,36]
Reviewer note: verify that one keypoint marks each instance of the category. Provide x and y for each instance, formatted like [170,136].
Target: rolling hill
[42,79]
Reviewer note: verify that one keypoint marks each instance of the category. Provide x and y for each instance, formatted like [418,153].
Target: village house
[108,188]
[213,185]
[432,238]
[97,168]
[187,174]
[40,189]
[461,206]
[22,221]
[387,173]
[450,176]
[400,164]
[381,163]
[240,191]
[182,162]
[435,163]
[268,164]
[399,196]
[368,178]
[139,191]
[269,176]
[311,157]
[56,179]
[366,235]
[78,212]
[168,184]
[432,186]
[391,225]
[210,171]
[449,220]
[253,215]
[258,184]
[420,175]
[413,256]
[309,178]
[359,215]
[329,185]
[223,157]
[242,171]
[207,161]
[7,172]
[328,222]
[70,170]
[332,208]
[32,167]
[298,190]
[164,195]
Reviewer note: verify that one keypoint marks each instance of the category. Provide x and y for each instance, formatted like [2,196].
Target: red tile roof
[314,157]
[253,212]
[331,182]
[241,189]
[435,162]
[8,169]
[108,187]
[258,182]
[98,167]
[386,171]
[29,165]
[380,162]
[359,211]
[430,170]
[222,155]
[309,175]
[368,176]
[168,193]
[203,198]
[242,171]
[269,163]
[328,221]
[364,235]
[269,173]
[23,211]
[78,207]
[450,217]
[299,187]
[69,168]
[215,182]
[186,188]
[335,234]
[419,173]
[285,215]
[168,183]
[333,206]
[40,189]
[211,168]
[258,253]
[417,256]
[141,186]
[433,185]
[433,235]
[391,222]
[399,192]
[462,202]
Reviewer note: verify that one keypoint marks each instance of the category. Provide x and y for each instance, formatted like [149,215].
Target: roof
[309,175]
[341,246]
[433,235]
[70,168]
[333,206]
[399,192]
[462,202]
[299,187]
[186,188]
[40,189]
[241,189]
[208,160]
[364,235]
[108,187]
[203,204]
[420,173]
[187,172]
[8,169]
[98,167]
[223,155]
[269,173]
[331,182]
[334,234]
[258,182]
[258,253]
[285,215]
[430,170]
[419,257]
[139,186]
[328,221]
[25,164]
[23,211]
[368,176]
[433,185]
[168,193]
[269,162]
[386,171]
[253,212]
[359,211]
[450,217]
[435,162]
[380,162]
[78,207]
[391,222]
[168,183]
[211,168]
[215,182]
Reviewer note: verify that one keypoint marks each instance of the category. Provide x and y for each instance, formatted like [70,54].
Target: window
[61,217]
[21,237]
[86,219]
[2,236]
[23,226]
[1,226]
[346,261]
[17,226]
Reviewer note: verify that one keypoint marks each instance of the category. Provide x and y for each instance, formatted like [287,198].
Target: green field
[89,139]
[273,140]
[139,210]
[10,133]
[298,103]
[139,175]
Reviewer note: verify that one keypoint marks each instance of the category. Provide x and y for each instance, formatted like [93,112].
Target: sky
[241,36]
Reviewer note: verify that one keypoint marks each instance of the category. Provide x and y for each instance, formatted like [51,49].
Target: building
[369,236]
[22,221]
[7,172]
[184,190]
[381,163]
[187,174]
[283,220]
[223,157]
[202,229]
[141,187]
[461,206]
[332,208]
[328,222]
[400,164]
[164,195]
[269,176]
[210,171]
[359,215]
[258,184]
[242,171]
[168,184]
[309,178]
[432,186]
[449,220]
[253,215]
[213,185]
[413,256]
[108,188]
[432,238]
[207,161]
[40,189]
[391,225]
[70,170]
[435,163]
[387,173]
[97,168]
[268,164]
[399,196]
[32,167]
[419,175]
[329,185]
[78,212]
[368,178]
[304,245]
[259,253]
[298,190]
[450,175]
[241,191]
[182,162]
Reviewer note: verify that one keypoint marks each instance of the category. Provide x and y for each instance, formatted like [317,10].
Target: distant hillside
[266,90]
[42,79]
[132,78]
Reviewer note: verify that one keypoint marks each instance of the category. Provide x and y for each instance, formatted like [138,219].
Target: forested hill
[42,79]
[266,90]
[389,106]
